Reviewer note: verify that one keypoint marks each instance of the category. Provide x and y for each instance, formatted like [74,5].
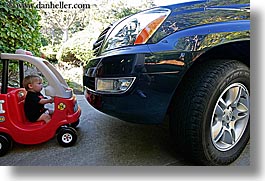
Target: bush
[19,27]
[77,50]
[49,52]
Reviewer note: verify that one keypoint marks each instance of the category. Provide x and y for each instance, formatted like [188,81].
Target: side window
[13,76]
[13,73]
[1,71]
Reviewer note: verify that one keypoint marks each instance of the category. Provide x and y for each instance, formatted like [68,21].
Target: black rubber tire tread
[6,145]
[69,130]
[194,102]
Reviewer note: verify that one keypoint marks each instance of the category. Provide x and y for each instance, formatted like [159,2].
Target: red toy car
[13,124]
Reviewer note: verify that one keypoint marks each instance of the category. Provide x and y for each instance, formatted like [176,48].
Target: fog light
[114,85]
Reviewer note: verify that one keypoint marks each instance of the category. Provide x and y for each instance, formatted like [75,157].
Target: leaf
[20,27]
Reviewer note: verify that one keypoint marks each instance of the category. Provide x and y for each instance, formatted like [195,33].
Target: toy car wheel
[5,144]
[211,122]
[67,136]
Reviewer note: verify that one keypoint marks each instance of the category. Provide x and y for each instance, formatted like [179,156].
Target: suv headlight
[136,29]
[114,85]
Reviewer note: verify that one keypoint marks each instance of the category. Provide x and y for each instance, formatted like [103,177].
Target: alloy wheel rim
[230,117]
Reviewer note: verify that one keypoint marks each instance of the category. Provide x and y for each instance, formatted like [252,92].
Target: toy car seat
[18,96]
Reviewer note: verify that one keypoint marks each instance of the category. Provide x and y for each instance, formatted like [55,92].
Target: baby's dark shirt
[33,109]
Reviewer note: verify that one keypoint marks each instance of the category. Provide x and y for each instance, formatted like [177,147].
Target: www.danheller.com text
[49,5]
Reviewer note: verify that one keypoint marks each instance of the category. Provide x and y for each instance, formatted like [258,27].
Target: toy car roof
[57,85]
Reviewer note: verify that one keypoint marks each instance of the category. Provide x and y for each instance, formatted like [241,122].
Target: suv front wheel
[211,114]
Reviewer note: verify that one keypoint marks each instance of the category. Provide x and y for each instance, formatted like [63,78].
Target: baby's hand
[51,100]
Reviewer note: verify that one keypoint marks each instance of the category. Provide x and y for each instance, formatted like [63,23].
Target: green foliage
[83,29]
[49,52]
[19,26]
[120,13]
[120,9]
[77,50]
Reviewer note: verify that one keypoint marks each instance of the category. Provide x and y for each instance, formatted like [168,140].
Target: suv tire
[210,118]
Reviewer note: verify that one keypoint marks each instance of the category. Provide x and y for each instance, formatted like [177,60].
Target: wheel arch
[238,50]
[6,134]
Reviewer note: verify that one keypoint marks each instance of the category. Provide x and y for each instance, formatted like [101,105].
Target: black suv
[187,62]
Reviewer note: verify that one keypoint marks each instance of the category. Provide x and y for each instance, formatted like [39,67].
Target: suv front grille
[97,45]
[89,82]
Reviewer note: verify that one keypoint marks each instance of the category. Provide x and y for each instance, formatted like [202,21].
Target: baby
[35,101]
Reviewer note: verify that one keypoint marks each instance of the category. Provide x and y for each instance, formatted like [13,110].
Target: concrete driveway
[105,141]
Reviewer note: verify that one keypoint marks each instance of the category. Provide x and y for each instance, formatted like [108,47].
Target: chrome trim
[151,73]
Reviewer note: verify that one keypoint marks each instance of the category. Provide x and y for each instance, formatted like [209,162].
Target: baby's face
[37,85]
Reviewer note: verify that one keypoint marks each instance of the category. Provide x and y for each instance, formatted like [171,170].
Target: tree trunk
[65,35]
